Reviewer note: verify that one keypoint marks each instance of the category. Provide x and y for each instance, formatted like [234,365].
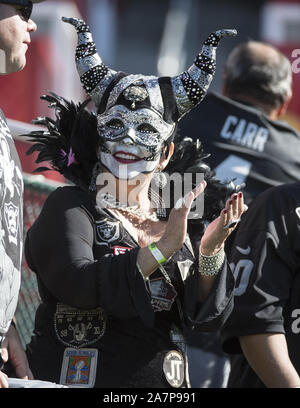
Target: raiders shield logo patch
[11,214]
[107,231]
[77,328]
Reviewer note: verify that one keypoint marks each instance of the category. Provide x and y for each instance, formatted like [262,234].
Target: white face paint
[125,159]
[132,140]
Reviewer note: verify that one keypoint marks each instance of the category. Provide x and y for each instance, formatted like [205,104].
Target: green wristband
[156,253]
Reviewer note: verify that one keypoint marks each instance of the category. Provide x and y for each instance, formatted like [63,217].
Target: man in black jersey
[247,141]
[15,29]
[265,322]
[241,128]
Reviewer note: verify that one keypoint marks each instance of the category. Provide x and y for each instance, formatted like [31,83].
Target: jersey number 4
[233,167]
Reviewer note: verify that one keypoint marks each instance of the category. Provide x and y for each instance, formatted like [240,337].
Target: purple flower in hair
[70,156]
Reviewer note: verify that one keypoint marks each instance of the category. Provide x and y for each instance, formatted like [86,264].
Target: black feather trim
[72,135]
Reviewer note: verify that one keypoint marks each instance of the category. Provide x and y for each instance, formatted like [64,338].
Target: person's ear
[283,108]
[165,160]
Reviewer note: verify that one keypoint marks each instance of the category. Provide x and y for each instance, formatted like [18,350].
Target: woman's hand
[219,230]
[176,228]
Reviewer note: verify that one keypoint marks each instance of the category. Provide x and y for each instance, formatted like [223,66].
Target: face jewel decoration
[135,93]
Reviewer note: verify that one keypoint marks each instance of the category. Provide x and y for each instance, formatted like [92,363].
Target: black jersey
[93,295]
[245,144]
[266,261]
[11,226]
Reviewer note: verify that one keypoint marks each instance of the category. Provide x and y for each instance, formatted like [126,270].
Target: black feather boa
[72,134]
[70,144]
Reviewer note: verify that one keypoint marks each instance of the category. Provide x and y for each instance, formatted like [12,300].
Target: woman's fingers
[229,210]
[185,202]
[199,188]
[224,217]
[241,203]
[235,207]
[191,196]
[188,199]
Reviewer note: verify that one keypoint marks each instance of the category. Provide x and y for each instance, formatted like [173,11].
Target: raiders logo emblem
[77,328]
[11,213]
[107,231]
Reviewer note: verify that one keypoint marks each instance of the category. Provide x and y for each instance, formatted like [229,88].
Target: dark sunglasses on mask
[25,11]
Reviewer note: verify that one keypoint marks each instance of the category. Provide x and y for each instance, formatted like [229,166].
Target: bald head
[259,73]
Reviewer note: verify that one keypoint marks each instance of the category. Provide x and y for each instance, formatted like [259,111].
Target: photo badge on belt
[79,368]
[163,294]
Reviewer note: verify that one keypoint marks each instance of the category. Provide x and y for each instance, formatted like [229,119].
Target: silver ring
[232,223]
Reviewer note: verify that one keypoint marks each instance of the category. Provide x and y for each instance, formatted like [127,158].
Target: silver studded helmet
[171,97]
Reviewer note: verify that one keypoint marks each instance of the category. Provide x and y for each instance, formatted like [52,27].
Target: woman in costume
[118,276]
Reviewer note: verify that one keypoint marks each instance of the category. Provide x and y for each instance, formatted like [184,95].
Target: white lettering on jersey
[298,211]
[296,323]
[231,120]
[241,273]
[245,133]
[233,167]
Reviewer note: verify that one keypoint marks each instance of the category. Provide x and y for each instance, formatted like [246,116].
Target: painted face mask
[138,111]
[132,141]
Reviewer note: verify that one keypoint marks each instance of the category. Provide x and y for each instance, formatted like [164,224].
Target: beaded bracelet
[211,265]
